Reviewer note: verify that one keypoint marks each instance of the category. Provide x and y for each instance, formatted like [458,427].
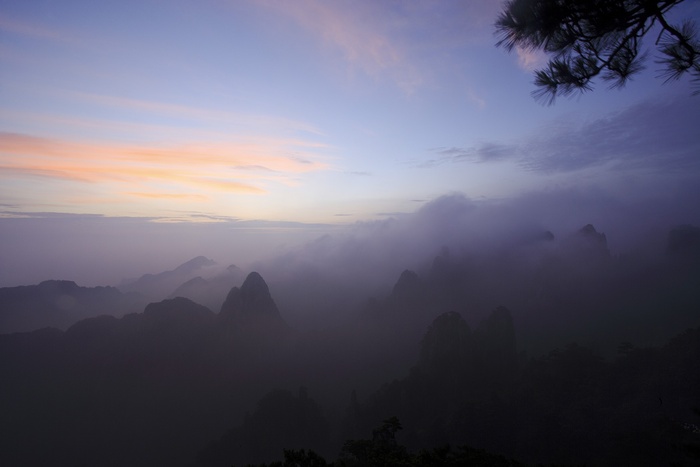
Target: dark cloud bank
[548,328]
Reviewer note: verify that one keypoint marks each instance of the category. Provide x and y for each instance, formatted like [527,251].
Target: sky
[142,133]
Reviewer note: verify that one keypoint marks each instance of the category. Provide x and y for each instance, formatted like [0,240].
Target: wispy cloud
[418,44]
[254,168]
[170,196]
[530,60]
[354,30]
[193,113]
[359,173]
[28,29]
[476,99]
[653,134]
[486,152]
[210,167]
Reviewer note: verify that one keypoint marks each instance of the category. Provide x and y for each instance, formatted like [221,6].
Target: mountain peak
[195,264]
[588,244]
[589,232]
[588,229]
[254,285]
[447,344]
[407,283]
[251,302]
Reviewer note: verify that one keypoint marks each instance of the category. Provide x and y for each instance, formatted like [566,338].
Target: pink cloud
[169,196]
[195,113]
[354,30]
[207,167]
[530,60]
[22,28]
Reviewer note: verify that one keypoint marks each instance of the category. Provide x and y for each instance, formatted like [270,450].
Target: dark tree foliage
[381,450]
[298,458]
[587,39]
[384,451]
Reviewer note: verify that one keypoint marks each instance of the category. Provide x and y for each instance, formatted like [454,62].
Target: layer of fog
[324,278]
[336,273]
[97,250]
[94,250]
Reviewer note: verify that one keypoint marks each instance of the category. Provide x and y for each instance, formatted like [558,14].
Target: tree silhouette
[594,38]
[381,450]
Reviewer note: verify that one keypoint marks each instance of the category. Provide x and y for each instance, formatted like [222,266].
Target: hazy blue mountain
[59,304]
[210,291]
[473,347]
[161,285]
[252,310]
[117,391]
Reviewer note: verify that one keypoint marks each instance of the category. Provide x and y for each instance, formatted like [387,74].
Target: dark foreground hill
[468,390]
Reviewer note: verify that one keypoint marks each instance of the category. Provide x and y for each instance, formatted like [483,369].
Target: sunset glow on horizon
[309,112]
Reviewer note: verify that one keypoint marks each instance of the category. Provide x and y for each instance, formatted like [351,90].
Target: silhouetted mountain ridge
[154,375]
[161,285]
[59,303]
[156,387]
[252,305]
[212,291]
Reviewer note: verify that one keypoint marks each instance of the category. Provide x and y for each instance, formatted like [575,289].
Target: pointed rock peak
[408,277]
[587,244]
[255,284]
[447,342]
[251,301]
[441,260]
[537,237]
[588,229]
[546,236]
[407,282]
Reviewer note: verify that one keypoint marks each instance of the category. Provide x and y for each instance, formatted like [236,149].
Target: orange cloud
[177,196]
[211,167]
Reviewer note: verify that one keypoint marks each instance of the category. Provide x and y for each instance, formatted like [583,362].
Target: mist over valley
[444,318]
[359,233]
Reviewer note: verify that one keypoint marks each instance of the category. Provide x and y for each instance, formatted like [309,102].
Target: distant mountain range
[59,304]
[535,277]
[199,279]
[109,380]
[174,385]
[472,349]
